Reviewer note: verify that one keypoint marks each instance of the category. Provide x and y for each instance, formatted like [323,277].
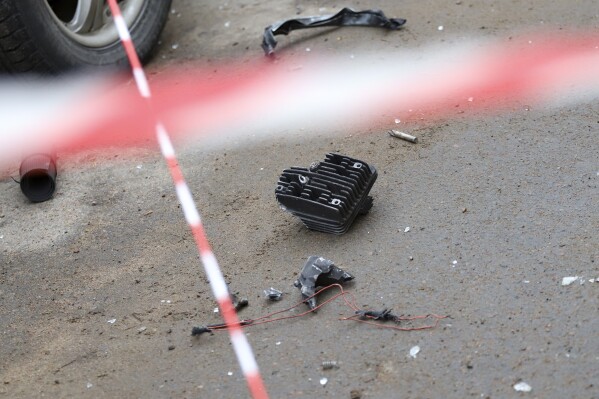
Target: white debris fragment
[440,28]
[591,280]
[569,280]
[111,321]
[141,329]
[406,229]
[526,281]
[308,49]
[175,46]
[139,166]
[230,373]
[323,381]
[414,351]
[397,120]
[227,24]
[215,310]
[278,343]
[89,385]
[470,99]
[522,387]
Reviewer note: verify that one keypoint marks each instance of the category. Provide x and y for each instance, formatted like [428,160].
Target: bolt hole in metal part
[89,22]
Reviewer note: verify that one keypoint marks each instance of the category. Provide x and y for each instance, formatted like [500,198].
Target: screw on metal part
[403,136]
[330,364]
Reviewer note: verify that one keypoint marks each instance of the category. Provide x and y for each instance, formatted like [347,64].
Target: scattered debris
[319,272]
[171,347]
[569,280]
[239,303]
[406,229]
[89,385]
[522,387]
[111,321]
[195,331]
[440,28]
[403,136]
[278,343]
[345,17]
[323,381]
[328,195]
[141,329]
[199,330]
[215,310]
[355,394]
[329,365]
[384,315]
[230,373]
[414,351]
[273,294]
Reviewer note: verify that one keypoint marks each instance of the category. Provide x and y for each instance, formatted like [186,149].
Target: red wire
[351,303]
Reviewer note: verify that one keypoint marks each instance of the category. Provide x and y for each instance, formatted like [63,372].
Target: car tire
[34,39]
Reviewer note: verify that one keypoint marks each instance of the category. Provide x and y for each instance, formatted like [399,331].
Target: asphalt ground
[500,207]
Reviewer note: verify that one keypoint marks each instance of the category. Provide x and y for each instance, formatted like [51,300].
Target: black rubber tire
[31,41]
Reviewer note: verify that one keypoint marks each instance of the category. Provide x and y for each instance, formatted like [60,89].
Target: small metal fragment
[319,272]
[403,136]
[329,365]
[239,303]
[273,294]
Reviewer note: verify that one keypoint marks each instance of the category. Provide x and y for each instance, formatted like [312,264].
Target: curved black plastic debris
[195,331]
[384,314]
[345,17]
[319,272]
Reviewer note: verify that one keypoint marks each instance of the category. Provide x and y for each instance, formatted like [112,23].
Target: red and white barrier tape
[242,348]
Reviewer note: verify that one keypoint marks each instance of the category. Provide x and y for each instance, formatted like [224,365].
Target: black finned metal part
[328,195]
[38,177]
[345,17]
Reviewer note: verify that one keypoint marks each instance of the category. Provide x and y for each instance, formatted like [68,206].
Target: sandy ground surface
[500,209]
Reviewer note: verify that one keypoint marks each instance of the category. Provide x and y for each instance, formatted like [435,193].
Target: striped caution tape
[243,350]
